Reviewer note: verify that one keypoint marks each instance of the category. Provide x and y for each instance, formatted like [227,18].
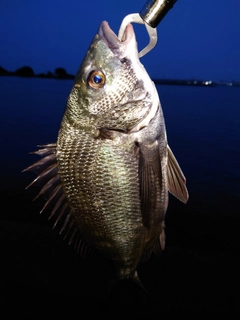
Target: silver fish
[109,174]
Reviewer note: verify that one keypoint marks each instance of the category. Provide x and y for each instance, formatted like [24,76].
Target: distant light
[207,83]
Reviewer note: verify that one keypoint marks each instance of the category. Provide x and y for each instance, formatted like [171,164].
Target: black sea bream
[110,171]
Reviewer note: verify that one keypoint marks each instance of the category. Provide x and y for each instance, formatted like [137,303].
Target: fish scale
[105,181]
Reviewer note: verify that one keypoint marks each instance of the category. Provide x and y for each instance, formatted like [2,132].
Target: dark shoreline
[61,74]
[27,72]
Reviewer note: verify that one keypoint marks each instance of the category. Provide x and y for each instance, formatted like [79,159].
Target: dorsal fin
[52,190]
[176,178]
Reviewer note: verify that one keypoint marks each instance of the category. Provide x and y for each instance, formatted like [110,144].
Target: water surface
[199,269]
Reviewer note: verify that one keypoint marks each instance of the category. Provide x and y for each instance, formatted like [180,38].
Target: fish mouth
[117,46]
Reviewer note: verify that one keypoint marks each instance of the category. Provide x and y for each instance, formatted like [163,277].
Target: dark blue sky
[197,38]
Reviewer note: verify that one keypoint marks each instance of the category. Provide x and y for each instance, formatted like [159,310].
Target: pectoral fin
[176,178]
[150,178]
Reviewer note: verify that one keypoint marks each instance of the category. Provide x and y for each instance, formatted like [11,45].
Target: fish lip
[117,46]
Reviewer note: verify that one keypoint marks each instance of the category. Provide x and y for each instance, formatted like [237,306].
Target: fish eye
[96,79]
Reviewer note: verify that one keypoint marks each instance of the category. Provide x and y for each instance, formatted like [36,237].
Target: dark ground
[42,275]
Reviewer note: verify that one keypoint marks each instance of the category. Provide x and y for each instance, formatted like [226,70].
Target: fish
[108,177]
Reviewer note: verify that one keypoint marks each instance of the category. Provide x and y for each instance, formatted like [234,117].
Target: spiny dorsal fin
[176,178]
[51,188]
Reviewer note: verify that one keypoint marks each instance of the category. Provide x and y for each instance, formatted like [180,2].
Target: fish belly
[100,180]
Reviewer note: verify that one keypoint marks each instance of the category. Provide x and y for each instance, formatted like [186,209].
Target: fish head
[112,88]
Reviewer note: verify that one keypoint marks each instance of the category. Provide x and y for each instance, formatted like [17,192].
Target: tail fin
[116,284]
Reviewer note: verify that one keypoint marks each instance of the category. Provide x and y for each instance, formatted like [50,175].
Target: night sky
[197,39]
